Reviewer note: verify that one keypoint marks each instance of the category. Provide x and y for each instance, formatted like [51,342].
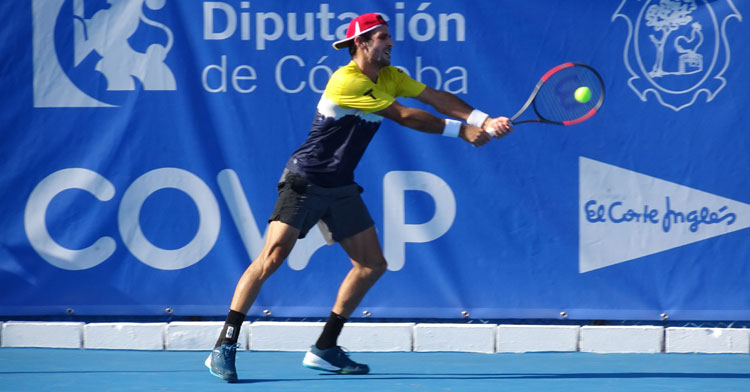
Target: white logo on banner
[626,215]
[105,35]
[128,218]
[677,49]
[398,233]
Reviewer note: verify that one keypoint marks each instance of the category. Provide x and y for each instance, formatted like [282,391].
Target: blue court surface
[99,370]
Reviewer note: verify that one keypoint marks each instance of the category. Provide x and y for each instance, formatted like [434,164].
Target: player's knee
[272,259]
[379,266]
[267,267]
[371,269]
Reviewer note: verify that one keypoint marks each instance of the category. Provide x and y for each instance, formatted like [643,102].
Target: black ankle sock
[231,330]
[331,331]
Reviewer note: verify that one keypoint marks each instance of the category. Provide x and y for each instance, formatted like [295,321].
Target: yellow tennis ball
[582,94]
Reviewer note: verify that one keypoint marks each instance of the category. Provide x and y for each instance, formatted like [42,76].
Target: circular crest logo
[677,49]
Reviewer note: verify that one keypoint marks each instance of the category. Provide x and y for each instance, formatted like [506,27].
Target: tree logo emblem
[677,49]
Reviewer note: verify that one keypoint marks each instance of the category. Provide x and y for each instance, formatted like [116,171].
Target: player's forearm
[446,103]
[426,122]
[420,120]
[452,106]
[413,118]
[423,121]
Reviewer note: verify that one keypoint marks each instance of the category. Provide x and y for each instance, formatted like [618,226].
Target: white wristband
[477,118]
[452,128]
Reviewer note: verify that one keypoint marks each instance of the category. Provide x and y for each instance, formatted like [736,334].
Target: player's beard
[383,59]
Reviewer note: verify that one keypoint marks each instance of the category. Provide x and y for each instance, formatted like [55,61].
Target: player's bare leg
[280,240]
[279,243]
[368,266]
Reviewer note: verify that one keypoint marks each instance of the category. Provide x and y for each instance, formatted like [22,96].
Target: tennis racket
[554,97]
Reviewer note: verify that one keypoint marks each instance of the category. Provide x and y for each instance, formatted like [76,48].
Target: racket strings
[556,101]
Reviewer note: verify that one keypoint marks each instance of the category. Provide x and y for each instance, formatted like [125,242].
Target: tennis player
[317,186]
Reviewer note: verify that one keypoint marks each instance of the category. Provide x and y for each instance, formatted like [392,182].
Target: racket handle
[491,132]
[511,124]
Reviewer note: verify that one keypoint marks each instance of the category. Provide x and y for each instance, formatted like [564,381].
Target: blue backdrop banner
[142,140]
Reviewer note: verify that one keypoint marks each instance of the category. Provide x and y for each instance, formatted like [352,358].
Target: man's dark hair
[365,36]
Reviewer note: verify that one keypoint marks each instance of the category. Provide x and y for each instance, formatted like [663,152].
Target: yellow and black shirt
[345,122]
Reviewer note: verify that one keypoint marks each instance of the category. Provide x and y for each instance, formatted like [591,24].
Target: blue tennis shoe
[221,362]
[333,360]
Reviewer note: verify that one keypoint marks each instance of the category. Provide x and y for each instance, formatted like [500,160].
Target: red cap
[359,26]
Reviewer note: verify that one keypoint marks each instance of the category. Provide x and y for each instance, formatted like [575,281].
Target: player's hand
[498,127]
[476,136]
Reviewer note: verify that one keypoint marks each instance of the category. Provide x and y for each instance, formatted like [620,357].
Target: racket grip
[492,133]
